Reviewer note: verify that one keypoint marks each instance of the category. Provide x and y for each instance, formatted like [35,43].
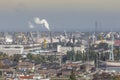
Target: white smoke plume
[30,25]
[42,22]
[37,20]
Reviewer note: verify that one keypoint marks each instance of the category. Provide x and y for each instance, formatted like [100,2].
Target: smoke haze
[30,25]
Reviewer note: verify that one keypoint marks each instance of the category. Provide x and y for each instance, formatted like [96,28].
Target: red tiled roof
[117,43]
[26,77]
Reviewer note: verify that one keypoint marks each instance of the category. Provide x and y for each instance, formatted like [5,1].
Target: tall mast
[111,57]
[96,31]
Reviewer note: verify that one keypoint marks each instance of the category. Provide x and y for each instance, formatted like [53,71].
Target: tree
[1,65]
[69,55]
[29,56]
[78,56]
[3,55]
[51,58]
[72,76]
[117,77]
[103,46]
[36,57]
[83,57]
[16,57]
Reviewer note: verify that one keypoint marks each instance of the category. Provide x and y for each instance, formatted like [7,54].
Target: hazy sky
[77,15]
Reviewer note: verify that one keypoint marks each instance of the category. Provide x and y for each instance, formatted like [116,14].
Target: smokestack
[73,40]
[46,25]
[51,41]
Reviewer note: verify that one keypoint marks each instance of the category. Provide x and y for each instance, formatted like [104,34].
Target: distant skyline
[77,15]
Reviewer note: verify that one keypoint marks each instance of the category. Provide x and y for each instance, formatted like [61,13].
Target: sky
[69,15]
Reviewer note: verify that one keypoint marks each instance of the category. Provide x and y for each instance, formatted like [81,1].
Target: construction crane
[31,34]
[37,36]
[44,41]
[101,38]
[24,38]
[20,37]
